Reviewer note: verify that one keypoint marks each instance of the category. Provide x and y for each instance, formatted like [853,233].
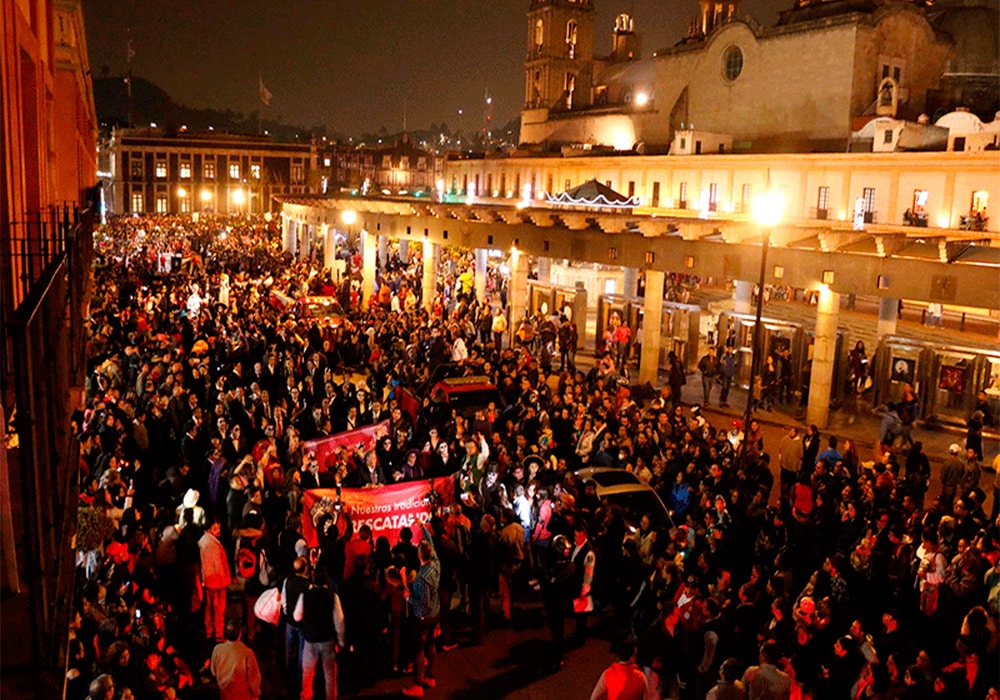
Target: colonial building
[48,173]
[156,172]
[798,86]
[403,168]
[947,188]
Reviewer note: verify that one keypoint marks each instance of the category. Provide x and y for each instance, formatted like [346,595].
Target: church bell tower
[559,67]
[715,13]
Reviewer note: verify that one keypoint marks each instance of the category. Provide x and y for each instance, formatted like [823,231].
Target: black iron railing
[36,241]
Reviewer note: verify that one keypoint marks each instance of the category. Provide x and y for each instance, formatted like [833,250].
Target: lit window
[326,162]
[135,165]
[823,199]
[210,170]
[138,202]
[185,170]
[683,195]
[571,37]
[887,136]
[298,172]
[732,63]
[539,33]
[161,203]
[234,171]
[255,171]
[161,168]
[185,205]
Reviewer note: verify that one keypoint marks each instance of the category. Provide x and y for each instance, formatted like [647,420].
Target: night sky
[351,66]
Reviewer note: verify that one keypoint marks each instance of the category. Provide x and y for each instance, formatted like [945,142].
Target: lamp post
[238,198]
[767,211]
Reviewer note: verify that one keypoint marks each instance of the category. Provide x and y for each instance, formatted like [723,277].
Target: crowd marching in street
[842,578]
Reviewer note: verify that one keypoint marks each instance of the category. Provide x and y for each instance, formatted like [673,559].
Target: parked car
[313,307]
[623,488]
[467,394]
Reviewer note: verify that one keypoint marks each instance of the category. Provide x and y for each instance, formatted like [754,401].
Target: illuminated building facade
[801,85]
[153,172]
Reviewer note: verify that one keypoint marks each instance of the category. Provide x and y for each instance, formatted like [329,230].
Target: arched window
[570,89]
[539,33]
[571,34]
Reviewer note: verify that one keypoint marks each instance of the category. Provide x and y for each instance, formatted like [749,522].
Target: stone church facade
[801,85]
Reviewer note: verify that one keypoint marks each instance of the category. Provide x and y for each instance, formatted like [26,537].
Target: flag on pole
[265,94]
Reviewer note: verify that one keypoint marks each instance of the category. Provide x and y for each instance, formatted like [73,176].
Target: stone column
[545,270]
[330,250]
[432,257]
[287,235]
[383,251]
[652,319]
[631,286]
[369,250]
[742,296]
[824,356]
[482,261]
[887,308]
[302,245]
[517,290]
[404,250]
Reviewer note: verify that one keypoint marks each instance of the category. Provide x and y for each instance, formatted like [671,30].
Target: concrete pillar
[287,235]
[631,286]
[369,250]
[517,290]
[383,251]
[824,356]
[887,308]
[329,250]
[302,242]
[742,296]
[545,270]
[432,258]
[404,250]
[482,261]
[652,319]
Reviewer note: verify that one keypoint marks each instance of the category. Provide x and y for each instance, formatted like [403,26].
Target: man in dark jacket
[291,590]
[321,618]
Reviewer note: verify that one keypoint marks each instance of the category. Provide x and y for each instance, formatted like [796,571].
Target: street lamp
[238,198]
[206,198]
[767,211]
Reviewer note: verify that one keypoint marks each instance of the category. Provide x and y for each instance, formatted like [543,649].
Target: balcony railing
[35,242]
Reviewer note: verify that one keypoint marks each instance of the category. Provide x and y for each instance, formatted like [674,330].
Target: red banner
[385,509]
[326,448]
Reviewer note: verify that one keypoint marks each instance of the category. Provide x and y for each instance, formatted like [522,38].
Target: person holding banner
[422,593]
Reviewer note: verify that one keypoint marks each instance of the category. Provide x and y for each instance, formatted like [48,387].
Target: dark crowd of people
[839,579]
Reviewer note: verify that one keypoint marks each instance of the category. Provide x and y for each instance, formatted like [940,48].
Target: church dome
[976,34]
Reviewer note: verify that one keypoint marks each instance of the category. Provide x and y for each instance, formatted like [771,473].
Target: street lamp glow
[238,197]
[349,216]
[181,192]
[768,208]
[206,196]
[641,99]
